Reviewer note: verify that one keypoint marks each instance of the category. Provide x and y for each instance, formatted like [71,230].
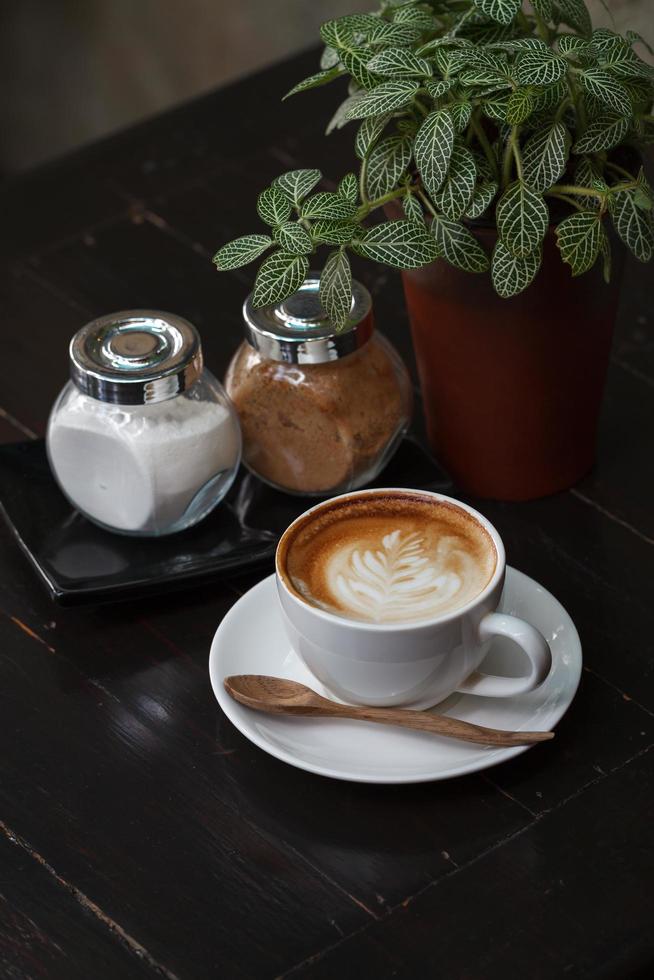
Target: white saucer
[251,640]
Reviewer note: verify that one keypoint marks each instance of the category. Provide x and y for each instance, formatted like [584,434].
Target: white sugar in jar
[142,440]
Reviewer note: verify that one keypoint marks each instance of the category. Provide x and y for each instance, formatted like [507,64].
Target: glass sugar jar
[321,410]
[143,439]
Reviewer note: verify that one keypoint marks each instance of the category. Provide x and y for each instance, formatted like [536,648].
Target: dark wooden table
[142,835]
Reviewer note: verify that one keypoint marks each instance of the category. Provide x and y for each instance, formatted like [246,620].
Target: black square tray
[81,563]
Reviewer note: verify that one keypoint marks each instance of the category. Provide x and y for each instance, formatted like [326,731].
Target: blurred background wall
[74,70]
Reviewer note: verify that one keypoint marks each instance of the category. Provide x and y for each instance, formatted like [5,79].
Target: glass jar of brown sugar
[321,411]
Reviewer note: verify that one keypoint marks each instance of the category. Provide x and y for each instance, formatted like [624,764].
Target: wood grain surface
[141,834]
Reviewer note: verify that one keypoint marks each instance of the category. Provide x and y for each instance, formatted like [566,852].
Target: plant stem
[362,179]
[379,202]
[573,189]
[425,200]
[568,200]
[478,130]
[579,103]
[523,22]
[618,170]
[589,192]
[542,28]
[561,110]
[469,13]
[510,155]
[516,150]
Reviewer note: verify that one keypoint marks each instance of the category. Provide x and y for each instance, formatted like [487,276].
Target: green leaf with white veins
[522,218]
[617,54]
[606,89]
[586,173]
[544,156]
[326,204]
[608,42]
[634,225]
[460,112]
[573,44]
[484,193]
[536,68]
[399,62]
[400,244]
[384,98]
[519,106]
[502,11]
[519,44]
[496,108]
[355,24]
[443,42]
[549,97]
[419,18]
[579,238]
[483,75]
[470,111]
[337,34]
[329,58]
[348,188]
[510,274]
[478,57]
[341,117]
[369,132]
[387,164]
[355,61]
[314,81]
[334,232]
[296,184]
[273,206]
[280,275]
[241,251]
[543,8]
[631,66]
[439,88]
[457,190]
[292,237]
[336,289]
[400,34]
[643,193]
[602,133]
[412,209]
[573,13]
[458,245]
[432,148]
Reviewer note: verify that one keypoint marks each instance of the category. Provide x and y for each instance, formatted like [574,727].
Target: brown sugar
[320,428]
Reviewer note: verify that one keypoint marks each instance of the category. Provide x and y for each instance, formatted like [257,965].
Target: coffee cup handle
[529,639]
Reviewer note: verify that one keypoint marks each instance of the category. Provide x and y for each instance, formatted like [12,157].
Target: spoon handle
[436,724]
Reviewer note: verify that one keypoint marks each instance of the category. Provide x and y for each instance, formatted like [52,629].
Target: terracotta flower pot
[512,387]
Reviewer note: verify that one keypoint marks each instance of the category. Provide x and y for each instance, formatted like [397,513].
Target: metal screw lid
[135,357]
[299,331]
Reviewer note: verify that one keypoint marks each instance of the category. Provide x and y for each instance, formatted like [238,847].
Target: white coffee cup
[419,663]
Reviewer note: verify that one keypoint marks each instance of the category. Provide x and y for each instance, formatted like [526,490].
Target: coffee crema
[388,558]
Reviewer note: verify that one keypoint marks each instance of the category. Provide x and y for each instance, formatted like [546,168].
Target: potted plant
[495,141]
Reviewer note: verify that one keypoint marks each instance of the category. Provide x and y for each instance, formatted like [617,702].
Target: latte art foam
[401,580]
[391,559]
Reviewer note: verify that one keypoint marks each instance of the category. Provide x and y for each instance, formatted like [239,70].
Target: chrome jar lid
[135,357]
[299,331]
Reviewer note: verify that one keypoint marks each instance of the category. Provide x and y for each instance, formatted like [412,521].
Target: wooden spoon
[280,696]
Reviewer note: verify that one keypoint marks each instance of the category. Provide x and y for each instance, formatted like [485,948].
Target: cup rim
[368,625]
